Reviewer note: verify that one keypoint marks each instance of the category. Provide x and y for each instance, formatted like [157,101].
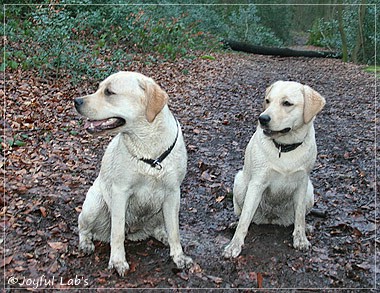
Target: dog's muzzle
[98,126]
[264,122]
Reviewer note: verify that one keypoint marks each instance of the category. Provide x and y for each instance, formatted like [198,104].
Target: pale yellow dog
[137,192]
[274,186]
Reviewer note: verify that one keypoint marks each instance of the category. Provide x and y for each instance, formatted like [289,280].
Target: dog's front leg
[251,202]
[117,209]
[171,210]
[299,235]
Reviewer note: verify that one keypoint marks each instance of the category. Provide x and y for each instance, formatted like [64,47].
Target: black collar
[156,163]
[284,148]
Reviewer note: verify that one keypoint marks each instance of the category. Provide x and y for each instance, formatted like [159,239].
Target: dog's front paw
[121,266]
[232,250]
[300,241]
[183,261]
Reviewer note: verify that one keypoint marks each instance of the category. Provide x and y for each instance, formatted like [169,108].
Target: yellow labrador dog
[137,192]
[274,185]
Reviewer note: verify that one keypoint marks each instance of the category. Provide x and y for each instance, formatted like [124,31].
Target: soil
[217,103]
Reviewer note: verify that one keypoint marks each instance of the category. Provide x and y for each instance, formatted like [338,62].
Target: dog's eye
[267,101]
[287,104]
[108,92]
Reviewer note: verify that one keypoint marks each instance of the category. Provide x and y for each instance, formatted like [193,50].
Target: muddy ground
[218,103]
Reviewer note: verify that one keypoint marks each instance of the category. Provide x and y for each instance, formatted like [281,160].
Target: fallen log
[282,52]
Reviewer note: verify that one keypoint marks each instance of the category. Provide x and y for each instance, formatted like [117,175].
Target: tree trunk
[359,44]
[342,32]
[283,52]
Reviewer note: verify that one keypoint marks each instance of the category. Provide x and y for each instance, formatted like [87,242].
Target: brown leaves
[43,211]
[58,245]
[5,261]
[217,103]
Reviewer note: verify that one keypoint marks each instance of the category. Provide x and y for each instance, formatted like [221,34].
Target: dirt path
[217,102]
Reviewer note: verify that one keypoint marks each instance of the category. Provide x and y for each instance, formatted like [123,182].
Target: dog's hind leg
[239,191]
[157,228]
[309,197]
[88,218]
[160,234]
[309,205]
[137,236]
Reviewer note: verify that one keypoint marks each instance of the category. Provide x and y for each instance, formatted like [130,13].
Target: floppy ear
[156,100]
[313,103]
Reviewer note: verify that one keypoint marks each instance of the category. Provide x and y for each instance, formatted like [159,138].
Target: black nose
[264,119]
[78,102]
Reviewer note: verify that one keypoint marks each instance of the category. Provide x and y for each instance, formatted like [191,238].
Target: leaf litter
[217,101]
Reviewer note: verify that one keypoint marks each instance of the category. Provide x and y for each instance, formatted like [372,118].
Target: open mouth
[269,132]
[95,126]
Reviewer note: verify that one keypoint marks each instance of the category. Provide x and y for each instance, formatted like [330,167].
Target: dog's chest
[282,186]
[146,198]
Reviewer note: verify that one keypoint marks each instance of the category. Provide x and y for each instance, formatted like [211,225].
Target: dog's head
[122,100]
[288,106]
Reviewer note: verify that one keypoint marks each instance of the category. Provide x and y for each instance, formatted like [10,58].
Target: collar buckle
[156,164]
[284,148]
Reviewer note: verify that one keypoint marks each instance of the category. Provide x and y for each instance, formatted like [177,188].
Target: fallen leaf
[195,269]
[43,211]
[57,245]
[364,266]
[5,261]
[216,280]
[220,198]
[260,280]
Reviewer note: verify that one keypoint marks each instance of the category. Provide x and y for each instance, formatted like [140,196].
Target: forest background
[92,39]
